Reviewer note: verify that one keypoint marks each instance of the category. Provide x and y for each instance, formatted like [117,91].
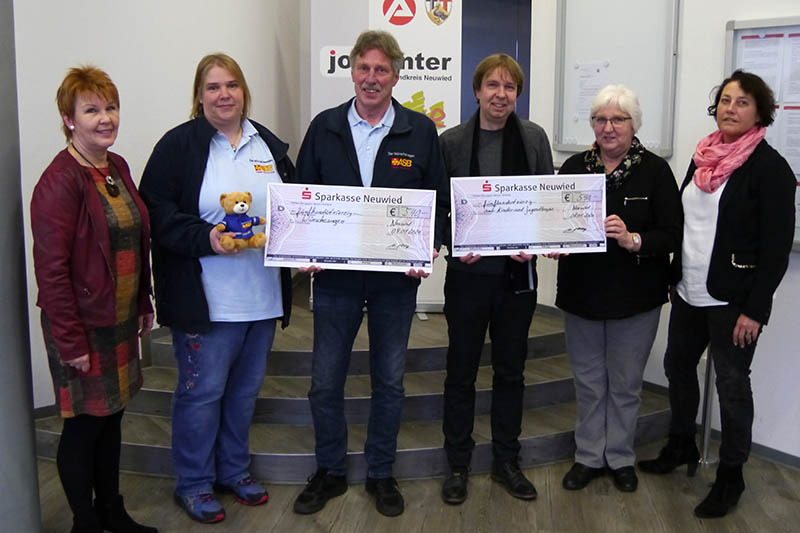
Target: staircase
[282,435]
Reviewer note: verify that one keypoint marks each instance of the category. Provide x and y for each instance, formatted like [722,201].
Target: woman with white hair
[612,300]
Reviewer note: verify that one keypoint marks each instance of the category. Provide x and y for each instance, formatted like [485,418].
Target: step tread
[424,334]
[292,439]
[430,382]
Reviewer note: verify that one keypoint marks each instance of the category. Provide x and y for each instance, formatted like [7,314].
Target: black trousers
[88,459]
[691,329]
[474,302]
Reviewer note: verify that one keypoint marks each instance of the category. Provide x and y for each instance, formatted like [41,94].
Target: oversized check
[535,214]
[352,228]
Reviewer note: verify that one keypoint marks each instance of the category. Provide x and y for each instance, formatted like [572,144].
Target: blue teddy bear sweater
[240,225]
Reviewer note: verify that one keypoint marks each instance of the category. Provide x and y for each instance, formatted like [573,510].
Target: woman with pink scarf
[738,203]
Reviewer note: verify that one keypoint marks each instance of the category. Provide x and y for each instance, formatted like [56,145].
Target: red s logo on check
[306,194]
[486,187]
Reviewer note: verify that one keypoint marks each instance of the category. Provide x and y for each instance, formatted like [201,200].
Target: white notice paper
[791,76]
[797,208]
[789,138]
[590,79]
[762,55]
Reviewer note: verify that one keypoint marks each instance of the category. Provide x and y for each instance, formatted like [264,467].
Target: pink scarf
[716,160]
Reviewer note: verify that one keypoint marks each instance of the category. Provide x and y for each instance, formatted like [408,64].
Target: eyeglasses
[616,122]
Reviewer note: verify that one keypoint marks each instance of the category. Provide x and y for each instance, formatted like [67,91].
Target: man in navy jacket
[361,144]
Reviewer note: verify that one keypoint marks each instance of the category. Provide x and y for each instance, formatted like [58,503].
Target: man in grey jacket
[494,292]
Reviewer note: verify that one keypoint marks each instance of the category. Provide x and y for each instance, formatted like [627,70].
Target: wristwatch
[636,239]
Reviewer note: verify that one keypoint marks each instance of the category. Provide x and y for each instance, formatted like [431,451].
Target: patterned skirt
[114,374]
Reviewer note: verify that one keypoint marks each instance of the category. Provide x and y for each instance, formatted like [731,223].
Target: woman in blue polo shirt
[222,305]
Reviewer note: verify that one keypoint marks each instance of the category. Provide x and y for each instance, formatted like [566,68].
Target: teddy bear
[236,204]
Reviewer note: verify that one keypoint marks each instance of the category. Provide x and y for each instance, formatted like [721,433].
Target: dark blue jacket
[328,157]
[170,187]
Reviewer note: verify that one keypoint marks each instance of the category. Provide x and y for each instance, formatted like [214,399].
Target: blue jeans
[337,317]
[219,376]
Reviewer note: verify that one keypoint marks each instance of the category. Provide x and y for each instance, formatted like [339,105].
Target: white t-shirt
[701,210]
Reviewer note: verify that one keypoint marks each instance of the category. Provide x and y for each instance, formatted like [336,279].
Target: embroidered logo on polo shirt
[401,162]
[263,169]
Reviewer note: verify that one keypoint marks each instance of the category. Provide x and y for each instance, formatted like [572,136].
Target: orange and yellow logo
[401,162]
[263,169]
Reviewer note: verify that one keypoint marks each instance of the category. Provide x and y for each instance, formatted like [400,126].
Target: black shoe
[580,475]
[115,518]
[388,500]
[725,492]
[513,480]
[454,489]
[680,450]
[321,487]
[625,479]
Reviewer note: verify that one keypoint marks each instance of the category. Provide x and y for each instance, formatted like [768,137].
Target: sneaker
[321,487]
[201,507]
[513,480]
[388,500]
[454,489]
[247,491]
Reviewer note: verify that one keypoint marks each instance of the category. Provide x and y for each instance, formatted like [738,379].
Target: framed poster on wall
[770,48]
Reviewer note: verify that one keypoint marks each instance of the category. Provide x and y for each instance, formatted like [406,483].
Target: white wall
[776,367]
[150,49]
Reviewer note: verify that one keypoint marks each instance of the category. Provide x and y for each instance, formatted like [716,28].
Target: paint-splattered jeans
[219,376]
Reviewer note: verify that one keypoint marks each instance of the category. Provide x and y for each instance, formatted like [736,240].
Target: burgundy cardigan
[71,251]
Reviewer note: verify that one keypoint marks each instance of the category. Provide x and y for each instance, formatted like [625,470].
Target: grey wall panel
[18,479]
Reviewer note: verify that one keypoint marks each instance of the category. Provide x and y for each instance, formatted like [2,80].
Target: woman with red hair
[91,249]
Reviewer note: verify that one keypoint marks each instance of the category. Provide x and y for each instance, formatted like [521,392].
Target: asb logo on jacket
[400,159]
